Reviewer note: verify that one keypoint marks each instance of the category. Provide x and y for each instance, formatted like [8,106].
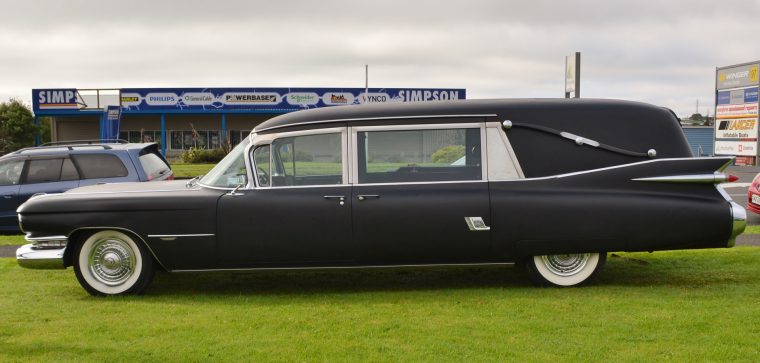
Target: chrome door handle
[368,196]
[341,198]
[8,196]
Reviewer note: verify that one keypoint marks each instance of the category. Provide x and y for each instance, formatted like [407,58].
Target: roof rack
[86,142]
[74,143]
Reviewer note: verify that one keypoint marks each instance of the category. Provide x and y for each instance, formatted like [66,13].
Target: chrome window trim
[416,117]
[268,139]
[355,130]
[351,267]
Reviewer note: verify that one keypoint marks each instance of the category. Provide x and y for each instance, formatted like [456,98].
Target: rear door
[10,178]
[420,196]
[48,175]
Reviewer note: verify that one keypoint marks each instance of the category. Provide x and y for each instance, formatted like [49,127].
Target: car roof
[76,148]
[437,109]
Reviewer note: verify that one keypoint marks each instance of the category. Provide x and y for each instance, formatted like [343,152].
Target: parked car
[555,184]
[60,166]
[753,195]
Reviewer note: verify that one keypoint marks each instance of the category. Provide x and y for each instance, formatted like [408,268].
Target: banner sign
[219,99]
[736,111]
[740,128]
[110,123]
[747,148]
[738,96]
[740,76]
[59,99]
[274,99]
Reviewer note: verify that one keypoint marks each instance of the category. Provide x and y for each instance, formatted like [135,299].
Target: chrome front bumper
[739,218]
[42,253]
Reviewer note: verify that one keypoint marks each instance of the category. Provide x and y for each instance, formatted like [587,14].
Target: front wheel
[565,270]
[112,263]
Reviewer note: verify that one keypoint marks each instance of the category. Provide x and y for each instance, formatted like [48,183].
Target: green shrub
[448,154]
[201,156]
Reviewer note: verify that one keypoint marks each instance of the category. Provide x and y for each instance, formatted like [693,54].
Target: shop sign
[741,128]
[740,76]
[746,148]
[736,111]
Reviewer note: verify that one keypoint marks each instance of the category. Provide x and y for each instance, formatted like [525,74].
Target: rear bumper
[739,220]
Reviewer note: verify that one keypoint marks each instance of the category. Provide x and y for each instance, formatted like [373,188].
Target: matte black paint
[424,223]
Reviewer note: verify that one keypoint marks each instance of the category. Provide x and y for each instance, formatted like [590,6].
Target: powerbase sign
[736,111]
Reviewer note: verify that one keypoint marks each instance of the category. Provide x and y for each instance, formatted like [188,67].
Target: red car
[753,195]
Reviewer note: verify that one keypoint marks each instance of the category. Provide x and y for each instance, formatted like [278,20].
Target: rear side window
[153,165]
[94,166]
[419,155]
[44,171]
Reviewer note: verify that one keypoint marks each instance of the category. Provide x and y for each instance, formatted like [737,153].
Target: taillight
[732,178]
[171,177]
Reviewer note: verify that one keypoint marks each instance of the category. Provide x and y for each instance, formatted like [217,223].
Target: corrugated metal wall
[700,139]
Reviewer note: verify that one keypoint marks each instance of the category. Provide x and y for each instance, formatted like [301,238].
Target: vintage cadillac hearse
[553,184]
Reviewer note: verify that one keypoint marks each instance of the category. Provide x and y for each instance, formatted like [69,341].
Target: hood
[123,197]
[155,186]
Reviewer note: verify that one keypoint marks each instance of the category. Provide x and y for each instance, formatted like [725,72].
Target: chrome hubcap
[112,261]
[566,265]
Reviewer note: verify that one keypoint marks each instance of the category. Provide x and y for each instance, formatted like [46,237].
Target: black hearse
[555,184]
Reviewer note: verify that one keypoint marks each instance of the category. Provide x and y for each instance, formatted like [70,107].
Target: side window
[307,160]
[261,161]
[68,171]
[44,171]
[10,172]
[419,155]
[95,166]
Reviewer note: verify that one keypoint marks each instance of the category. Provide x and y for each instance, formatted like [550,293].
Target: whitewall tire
[565,270]
[111,262]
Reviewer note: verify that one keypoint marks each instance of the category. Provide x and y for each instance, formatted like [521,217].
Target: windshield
[230,172]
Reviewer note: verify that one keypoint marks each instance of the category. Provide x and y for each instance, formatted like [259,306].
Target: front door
[299,213]
[420,196]
[10,177]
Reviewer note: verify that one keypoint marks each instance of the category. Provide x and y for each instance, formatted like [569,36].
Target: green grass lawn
[183,171]
[666,306]
[752,230]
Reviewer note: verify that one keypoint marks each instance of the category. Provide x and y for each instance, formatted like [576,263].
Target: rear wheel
[565,270]
[111,263]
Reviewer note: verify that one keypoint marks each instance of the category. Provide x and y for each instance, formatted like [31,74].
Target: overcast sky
[663,52]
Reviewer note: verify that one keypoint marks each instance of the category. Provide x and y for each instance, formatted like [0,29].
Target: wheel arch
[79,235]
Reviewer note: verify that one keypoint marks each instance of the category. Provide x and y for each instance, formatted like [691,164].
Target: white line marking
[735,185]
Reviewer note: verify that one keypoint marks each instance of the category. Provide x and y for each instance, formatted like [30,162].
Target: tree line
[17,128]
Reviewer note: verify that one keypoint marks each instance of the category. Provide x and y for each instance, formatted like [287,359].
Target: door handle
[341,198]
[7,196]
[368,196]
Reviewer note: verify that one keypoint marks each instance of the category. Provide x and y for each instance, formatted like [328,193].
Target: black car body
[60,166]
[555,183]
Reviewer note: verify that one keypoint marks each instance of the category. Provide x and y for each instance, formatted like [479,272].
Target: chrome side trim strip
[611,168]
[695,178]
[350,267]
[372,119]
[181,235]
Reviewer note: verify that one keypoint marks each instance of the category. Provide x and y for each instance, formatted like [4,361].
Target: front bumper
[43,253]
[739,218]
